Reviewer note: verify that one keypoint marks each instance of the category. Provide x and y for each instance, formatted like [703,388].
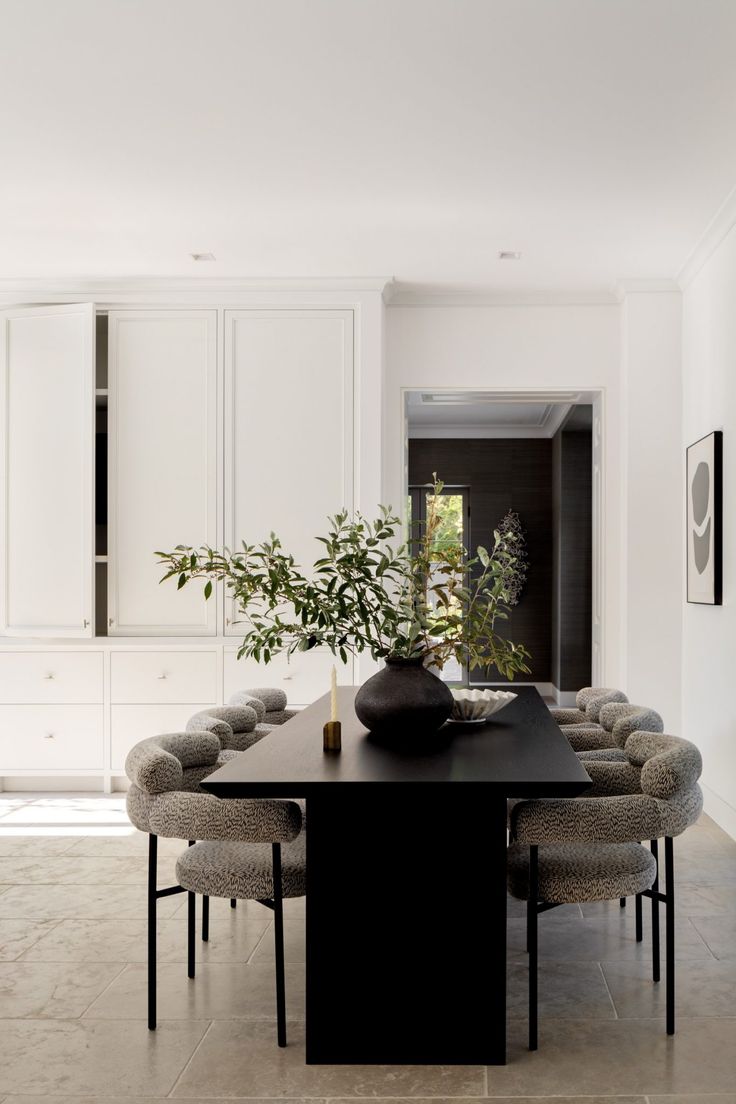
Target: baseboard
[719,810]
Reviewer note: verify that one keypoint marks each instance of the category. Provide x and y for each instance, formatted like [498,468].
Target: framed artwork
[704,481]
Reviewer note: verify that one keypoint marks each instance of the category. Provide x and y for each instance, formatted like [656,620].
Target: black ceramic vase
[403,700]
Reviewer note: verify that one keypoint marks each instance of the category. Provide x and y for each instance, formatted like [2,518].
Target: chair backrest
[654,793]
[234,725]
[623,718]
[591,699]
[172,762]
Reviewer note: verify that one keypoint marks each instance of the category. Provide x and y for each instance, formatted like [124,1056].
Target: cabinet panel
[162,465]
[39,677]
[162,677]
[51,737]
[46,482]
[131,723]
[304,677]
[288,427]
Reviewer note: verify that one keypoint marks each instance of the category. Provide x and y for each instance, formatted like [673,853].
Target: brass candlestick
[332,736]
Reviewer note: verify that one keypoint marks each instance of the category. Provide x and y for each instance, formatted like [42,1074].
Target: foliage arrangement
[367,593]
[514,575]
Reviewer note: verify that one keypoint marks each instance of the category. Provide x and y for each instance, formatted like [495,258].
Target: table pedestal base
[406,925]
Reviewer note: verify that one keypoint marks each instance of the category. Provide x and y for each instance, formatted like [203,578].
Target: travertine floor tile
[78,870]
[61,901]
[595,939]
[16,936]
[719,932]
[695,1098]
[628,1057]
[701,989]
[295,944]
[94,1057]
[37,846]
[240,1054]
[232,939]
[567,990]
[219,991]
[44,990]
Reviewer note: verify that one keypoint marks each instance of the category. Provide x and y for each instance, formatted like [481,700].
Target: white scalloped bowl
[476,706]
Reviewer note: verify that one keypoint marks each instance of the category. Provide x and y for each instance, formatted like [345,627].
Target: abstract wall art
[704,481]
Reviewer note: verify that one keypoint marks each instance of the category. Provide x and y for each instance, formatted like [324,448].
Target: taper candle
[333,694]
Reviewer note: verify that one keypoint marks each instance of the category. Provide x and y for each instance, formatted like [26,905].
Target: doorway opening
[534,459]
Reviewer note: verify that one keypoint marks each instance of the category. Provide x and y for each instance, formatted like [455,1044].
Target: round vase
[404,699]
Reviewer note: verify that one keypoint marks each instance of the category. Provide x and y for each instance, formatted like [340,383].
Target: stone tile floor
[72,986]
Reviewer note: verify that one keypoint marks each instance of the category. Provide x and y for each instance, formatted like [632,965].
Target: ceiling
[490,415]
[412,139]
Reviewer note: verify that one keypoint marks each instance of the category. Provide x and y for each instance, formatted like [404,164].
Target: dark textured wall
[572,496]
[501,475]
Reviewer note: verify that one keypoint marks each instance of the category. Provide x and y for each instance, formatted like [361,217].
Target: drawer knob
[286,678]
[162,676]
[50,676]
[49,736]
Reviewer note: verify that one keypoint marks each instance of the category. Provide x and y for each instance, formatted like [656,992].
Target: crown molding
[109,286]
[645,287]
[417,295]
[717,229]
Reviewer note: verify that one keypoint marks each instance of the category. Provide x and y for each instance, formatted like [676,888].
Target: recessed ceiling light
[509,255]
[203,256]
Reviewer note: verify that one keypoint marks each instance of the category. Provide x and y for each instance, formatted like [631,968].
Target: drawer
[304,677]
[51,737]
[30,678]
[163,677]
[131,723]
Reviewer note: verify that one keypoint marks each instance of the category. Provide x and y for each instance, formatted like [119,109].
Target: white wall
[709,637]
[525,347]
[652,489]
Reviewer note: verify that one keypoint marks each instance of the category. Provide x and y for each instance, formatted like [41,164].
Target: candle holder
[332,737]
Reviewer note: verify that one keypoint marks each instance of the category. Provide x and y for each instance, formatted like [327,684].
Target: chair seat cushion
[242,870]
[574,872]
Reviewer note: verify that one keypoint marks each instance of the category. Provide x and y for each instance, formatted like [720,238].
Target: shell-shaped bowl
[473,706]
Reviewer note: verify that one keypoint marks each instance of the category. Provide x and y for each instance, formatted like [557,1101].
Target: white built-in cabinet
[217,425]
[162,428]
[288,428]
[46,481]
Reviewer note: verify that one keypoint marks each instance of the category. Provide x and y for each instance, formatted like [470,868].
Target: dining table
[406,872]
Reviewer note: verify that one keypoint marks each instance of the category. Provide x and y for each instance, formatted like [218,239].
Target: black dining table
[406,873]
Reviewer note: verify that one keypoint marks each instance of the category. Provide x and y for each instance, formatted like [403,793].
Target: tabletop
[519,752]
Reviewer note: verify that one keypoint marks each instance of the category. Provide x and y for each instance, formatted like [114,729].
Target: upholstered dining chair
[247,718]
[165,799]
[588,702]
[274,709]
[616,722]
[588,848]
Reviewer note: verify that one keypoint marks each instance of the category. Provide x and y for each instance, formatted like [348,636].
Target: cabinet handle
[161,676]
[110,622]
[46,677]
[286,678]
[49,736]
[227,620]
[85,623]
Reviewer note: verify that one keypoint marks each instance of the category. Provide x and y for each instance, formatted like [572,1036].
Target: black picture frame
[704,520]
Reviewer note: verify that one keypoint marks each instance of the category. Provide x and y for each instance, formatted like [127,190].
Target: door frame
[596,396]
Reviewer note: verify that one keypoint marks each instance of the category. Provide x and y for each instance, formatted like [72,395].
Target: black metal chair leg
[205,918]
[233,902]
[655,914]
[669,868]
[622,902]
[152,857]
[278,927]
[531,938]
[639,926]
[191,925]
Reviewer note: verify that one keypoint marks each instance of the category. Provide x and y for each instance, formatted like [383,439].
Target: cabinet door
[162,465]
[46,482]
[288,428]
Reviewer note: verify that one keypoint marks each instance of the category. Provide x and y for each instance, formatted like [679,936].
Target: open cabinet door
[47,404]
